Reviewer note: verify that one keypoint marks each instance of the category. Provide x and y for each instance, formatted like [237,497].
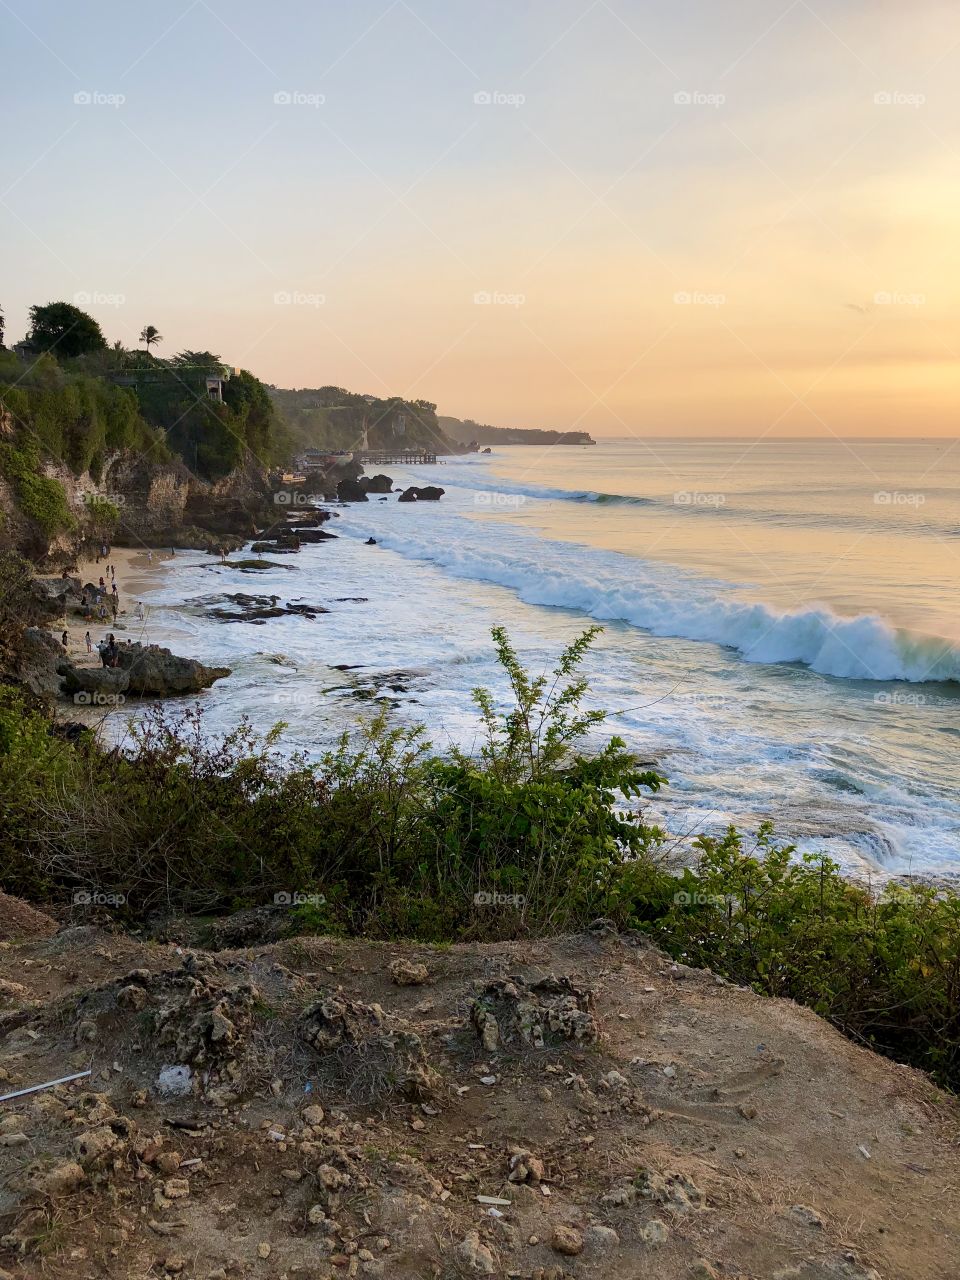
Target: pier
[405,457]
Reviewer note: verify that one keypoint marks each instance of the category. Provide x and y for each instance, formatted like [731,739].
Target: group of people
[95,601]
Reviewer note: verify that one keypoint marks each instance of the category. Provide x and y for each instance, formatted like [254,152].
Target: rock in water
[351,491]
[158,672]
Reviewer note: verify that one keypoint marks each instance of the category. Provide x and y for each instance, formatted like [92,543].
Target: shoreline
[135,576]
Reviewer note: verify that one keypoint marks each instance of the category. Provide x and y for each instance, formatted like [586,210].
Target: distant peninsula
[465,431]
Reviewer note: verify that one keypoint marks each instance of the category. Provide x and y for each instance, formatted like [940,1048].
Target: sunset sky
[687,218]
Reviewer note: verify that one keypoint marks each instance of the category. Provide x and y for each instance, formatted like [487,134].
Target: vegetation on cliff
[466,431]
[534,834]
[68,403]
[332,418]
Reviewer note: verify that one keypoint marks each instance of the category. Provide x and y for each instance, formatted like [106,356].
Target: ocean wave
[499,486]
[609,586]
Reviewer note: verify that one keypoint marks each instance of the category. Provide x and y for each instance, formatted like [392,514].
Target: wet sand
[136,574]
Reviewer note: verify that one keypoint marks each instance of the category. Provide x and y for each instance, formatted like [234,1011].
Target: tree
[65,329]
[150,334]
[2,323]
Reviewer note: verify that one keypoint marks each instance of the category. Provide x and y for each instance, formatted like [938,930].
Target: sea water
[780,625]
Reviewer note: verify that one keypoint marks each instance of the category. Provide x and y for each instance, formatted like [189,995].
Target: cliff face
[138,502]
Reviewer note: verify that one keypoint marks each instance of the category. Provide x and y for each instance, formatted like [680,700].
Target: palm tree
[150,334]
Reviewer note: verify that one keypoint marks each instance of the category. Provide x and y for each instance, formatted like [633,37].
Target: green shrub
[41,498]
[389,839]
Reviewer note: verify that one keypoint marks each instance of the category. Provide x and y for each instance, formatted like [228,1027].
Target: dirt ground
[346,1106]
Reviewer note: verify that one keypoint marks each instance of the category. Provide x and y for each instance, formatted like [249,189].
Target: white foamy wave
[449,479]
[609,586]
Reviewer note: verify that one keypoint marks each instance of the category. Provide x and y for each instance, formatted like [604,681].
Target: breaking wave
[609,586]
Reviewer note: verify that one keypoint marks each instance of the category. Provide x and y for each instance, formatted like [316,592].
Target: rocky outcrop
[158,672]
[377,484]
[351,491]
[426,493]
[39,660]
[240,607]
[142,671]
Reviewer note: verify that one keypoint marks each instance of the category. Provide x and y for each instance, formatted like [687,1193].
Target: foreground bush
[534,834]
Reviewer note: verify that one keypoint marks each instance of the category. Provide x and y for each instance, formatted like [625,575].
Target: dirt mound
[18,920]
[319,1108]
[370,1054]
[511,1012]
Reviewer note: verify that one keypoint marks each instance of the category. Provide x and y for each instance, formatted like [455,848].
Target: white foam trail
[609,586]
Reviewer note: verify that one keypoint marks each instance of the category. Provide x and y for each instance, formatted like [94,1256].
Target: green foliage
[211,437]
[885,969]
[74,419]
[41,498]
[539,831]
[333,418]
[64,329]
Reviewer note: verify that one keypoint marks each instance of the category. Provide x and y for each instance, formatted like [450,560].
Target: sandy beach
[135,575]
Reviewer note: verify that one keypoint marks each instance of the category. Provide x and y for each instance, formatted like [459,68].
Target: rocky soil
[574,1108]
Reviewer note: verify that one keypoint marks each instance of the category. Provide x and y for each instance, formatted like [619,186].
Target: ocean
[780,625]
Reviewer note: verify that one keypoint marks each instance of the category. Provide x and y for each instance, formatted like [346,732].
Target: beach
[136,575]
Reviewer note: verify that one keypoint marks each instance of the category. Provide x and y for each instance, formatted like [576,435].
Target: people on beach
[64,639]
[139,611]
[88,642]
[110,652]
[102,611]
[115,607]
[149,557]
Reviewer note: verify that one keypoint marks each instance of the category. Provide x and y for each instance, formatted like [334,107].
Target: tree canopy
[65,329]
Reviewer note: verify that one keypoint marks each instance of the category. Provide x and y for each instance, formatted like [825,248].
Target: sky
[662,218]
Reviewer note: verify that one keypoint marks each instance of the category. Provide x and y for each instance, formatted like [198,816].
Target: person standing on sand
[149,557]
[115,607]
[64,638]
[88,642]
[139,611]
